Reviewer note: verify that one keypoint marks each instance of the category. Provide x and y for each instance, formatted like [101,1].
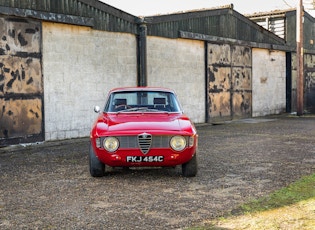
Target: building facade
[283,24]
[60,58]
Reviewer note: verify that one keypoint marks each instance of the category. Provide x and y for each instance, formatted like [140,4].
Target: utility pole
[300,58]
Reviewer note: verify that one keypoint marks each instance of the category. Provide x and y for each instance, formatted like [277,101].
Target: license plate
[138,159]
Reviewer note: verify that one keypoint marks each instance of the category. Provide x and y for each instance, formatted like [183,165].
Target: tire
[97,168]
[190,168]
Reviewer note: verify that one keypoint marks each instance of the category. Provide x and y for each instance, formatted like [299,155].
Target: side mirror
[97,109]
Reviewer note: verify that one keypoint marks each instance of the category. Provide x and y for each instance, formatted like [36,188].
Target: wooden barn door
[21,87]
[229,71]
[309,83]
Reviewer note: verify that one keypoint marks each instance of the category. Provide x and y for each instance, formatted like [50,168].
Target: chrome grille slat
[128,141]
[160,141]
[132,142]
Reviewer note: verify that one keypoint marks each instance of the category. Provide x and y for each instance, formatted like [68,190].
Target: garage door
[229,72]
[309,83]
[21,92]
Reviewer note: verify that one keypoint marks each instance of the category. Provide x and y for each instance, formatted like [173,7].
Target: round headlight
[178,143]
[111,144]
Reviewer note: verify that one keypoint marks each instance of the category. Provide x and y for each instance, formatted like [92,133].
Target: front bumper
[135,158]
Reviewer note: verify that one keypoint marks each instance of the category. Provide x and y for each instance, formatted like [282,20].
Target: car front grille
[144,143]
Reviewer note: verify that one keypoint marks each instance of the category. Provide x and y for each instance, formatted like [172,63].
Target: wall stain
[11,33]
[22,40]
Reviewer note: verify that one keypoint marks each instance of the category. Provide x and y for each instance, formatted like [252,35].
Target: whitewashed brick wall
[179,64]
[268,82]
[80,66]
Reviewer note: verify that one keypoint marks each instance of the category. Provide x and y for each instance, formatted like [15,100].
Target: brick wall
[80,65]
[269,82]
[179,64]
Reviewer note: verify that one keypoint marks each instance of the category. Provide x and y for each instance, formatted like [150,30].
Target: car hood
[128,123]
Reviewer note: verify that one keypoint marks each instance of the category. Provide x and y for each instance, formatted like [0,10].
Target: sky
[154,7]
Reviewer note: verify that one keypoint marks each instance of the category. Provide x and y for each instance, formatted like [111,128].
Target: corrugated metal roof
[83,12]
[222,21]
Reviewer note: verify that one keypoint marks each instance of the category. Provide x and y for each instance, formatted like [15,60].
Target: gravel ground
[48,186]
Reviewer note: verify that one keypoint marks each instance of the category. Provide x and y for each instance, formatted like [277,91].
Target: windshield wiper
[143,109]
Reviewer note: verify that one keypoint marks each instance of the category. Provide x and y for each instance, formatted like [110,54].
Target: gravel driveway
[48,186]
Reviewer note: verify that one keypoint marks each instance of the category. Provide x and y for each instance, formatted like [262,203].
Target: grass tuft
[292,207]
[300,190]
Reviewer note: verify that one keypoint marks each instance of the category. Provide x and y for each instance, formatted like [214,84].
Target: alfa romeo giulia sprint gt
[142,127]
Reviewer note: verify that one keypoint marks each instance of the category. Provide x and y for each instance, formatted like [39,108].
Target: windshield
[144,101]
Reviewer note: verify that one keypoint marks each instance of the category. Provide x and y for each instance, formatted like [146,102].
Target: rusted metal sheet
[229,82]
[220,106]
[219,54]
[242,92]
[20,118]
[241,56]
[21,92]
[310,92]
[293,101]
[219,95]
[242,103]
[242,81]
[20,76]
[309,83]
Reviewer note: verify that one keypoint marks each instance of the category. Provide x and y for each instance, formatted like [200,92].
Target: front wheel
[97,168]
[190,168]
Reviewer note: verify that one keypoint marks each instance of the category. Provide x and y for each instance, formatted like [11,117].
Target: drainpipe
[142,53]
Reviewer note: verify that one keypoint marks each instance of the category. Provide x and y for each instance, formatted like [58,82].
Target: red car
[141,127]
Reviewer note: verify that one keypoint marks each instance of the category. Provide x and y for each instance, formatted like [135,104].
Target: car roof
[141,89]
